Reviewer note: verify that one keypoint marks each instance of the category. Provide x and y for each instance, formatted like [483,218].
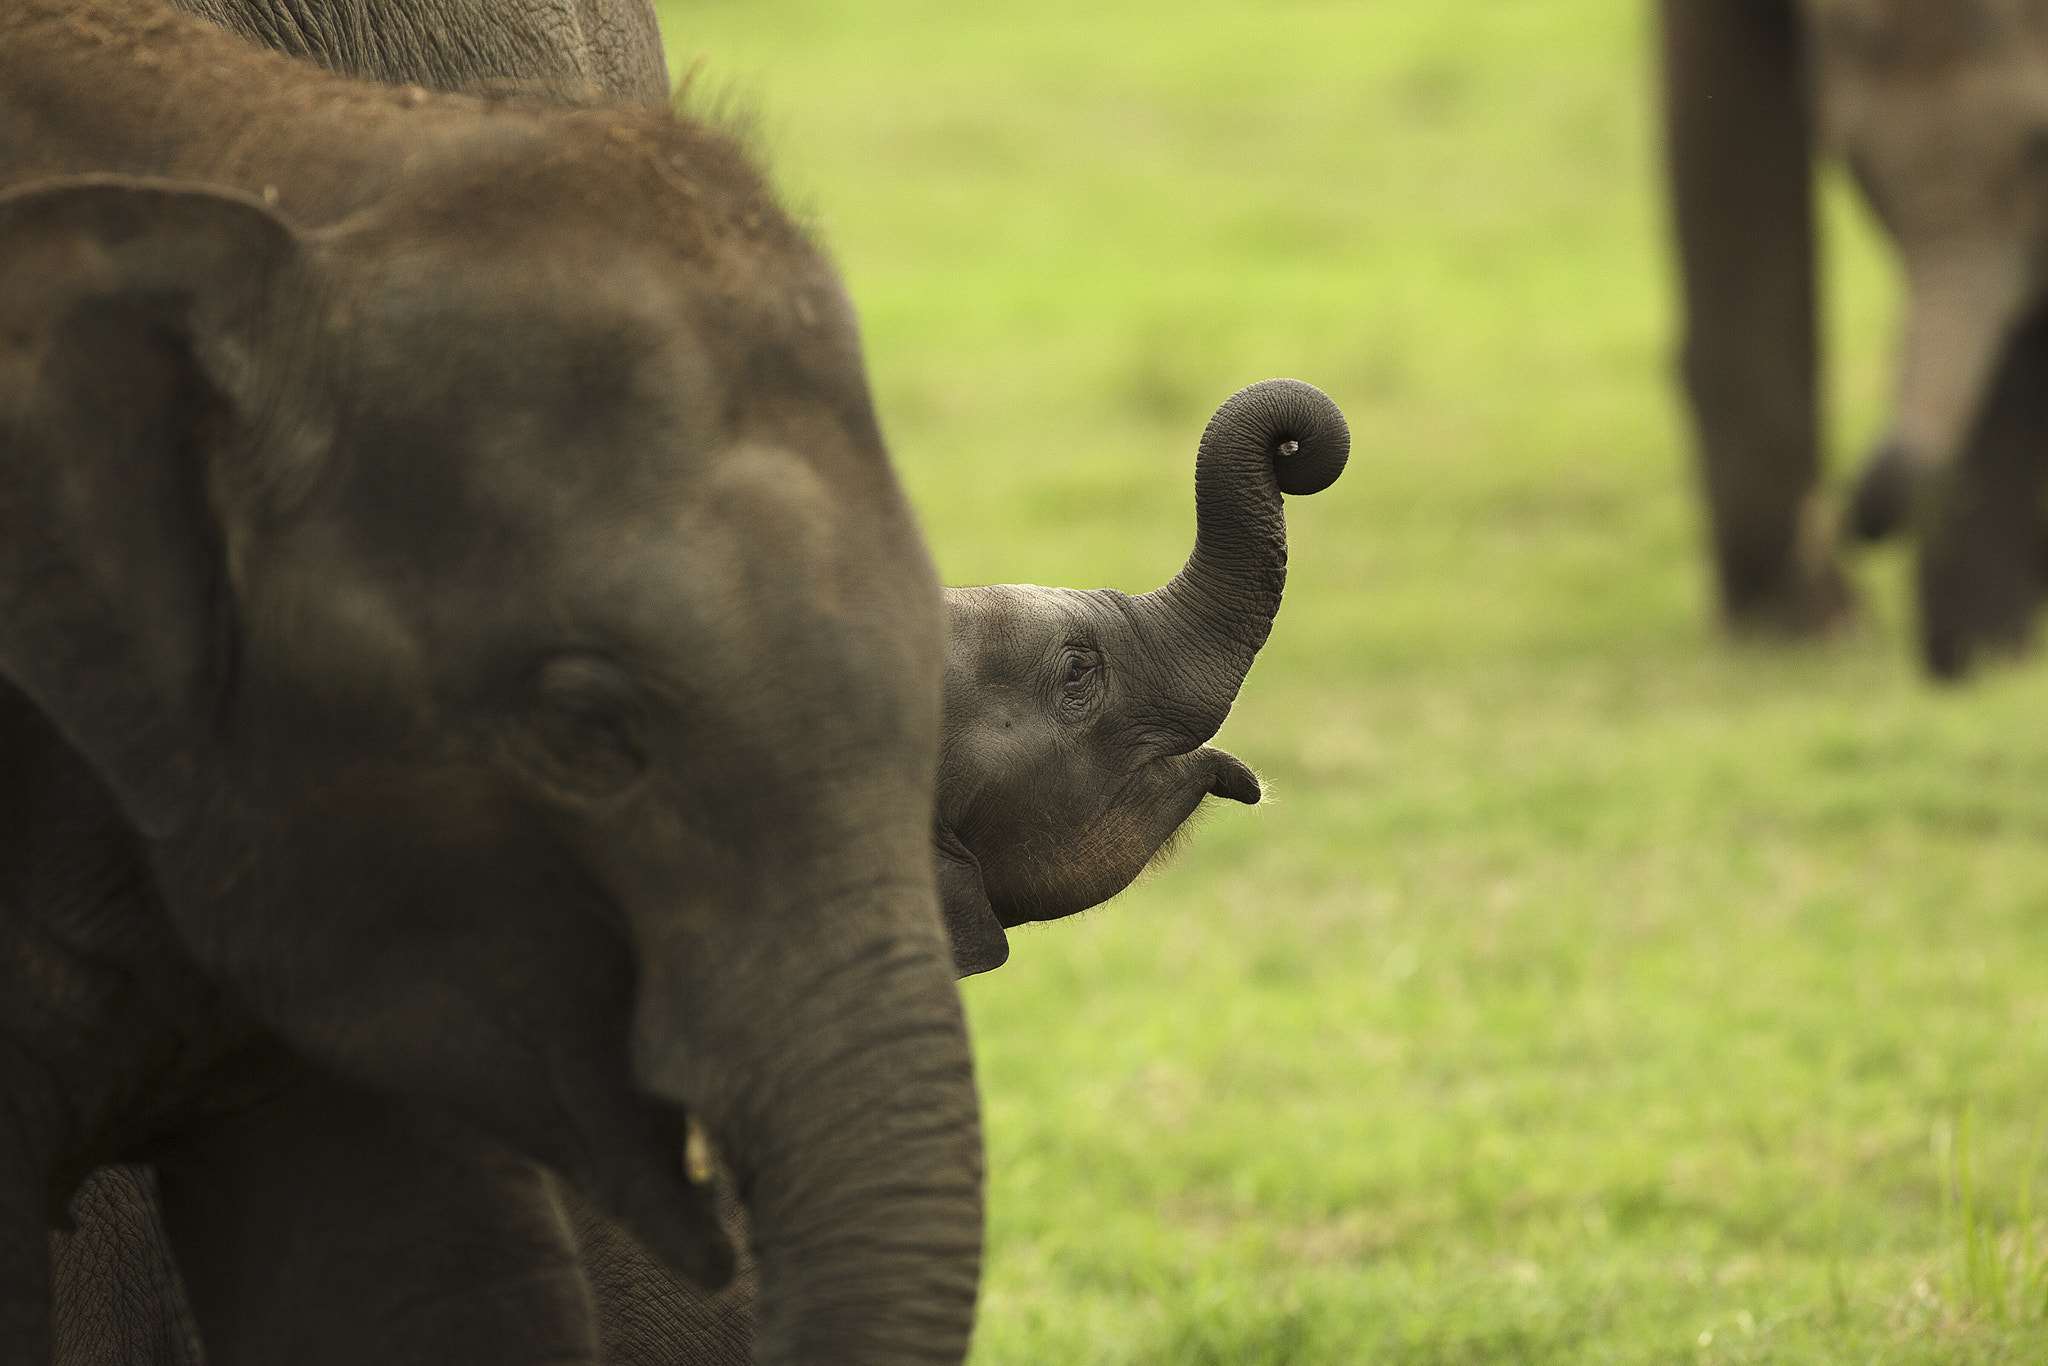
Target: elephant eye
[577,729]
[1078,677]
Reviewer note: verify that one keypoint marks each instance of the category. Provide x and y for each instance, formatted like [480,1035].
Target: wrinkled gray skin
[1941,110]
[499,665]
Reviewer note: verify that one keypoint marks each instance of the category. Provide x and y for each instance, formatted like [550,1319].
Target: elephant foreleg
[1739,145]
[333,1229]
[1981,555]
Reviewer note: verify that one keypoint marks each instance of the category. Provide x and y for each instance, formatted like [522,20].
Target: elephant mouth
[1233,779]
[1100,864]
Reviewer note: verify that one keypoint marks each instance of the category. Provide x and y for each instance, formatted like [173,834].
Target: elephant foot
[1809,608]
[1981,559]
[1977,601]
[1882,504]
[1950,651]
[1803,596]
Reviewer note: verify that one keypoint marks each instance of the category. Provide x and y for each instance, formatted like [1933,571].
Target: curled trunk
[1277,436]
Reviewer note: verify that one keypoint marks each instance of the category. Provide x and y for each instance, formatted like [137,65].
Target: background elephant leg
[648,1315]
[328,1228]
[1739,148]
[118,1298]
[1981,553]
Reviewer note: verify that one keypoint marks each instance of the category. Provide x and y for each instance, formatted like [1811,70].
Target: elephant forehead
[999,623]
[431,328]
[756,542]
[527,297]
[551,419]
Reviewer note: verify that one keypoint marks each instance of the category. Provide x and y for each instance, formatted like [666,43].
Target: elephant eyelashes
[576,730]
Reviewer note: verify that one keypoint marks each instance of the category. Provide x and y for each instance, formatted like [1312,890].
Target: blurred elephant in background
[1941,112]
[470,691]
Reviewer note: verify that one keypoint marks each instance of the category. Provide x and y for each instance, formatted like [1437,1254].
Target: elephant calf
[470,697]
[1941,111]
[1077,723]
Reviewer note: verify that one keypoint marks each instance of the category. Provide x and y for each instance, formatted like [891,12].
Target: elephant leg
[1739,147]
[329,1228]
[118,1298]
[648,1315]
[1981,552]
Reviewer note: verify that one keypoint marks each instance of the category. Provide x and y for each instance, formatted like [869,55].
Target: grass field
[1591,990]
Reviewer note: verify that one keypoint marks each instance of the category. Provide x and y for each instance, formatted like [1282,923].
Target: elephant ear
[122,300]
[979,944]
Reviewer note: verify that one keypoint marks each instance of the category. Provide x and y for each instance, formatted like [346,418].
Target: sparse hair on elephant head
[1077,724]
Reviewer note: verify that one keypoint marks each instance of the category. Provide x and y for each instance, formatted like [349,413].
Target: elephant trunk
[841,1096]
[1277,436]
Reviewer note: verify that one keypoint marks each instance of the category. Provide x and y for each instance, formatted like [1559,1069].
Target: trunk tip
[1298,425]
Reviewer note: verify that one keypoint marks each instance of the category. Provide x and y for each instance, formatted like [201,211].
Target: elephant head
[498,614]
[1077,723]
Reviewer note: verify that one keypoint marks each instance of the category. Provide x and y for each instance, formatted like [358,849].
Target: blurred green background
[1590,989]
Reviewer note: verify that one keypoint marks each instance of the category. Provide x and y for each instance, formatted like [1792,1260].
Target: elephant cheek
[1091,862]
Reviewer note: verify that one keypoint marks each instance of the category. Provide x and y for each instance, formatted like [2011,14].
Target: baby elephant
[1077,723]
[1941,111]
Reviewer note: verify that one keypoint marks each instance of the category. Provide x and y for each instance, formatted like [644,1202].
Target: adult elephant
[500,666]
[1942,113]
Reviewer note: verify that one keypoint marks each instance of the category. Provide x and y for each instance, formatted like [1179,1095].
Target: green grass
[1591,990]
